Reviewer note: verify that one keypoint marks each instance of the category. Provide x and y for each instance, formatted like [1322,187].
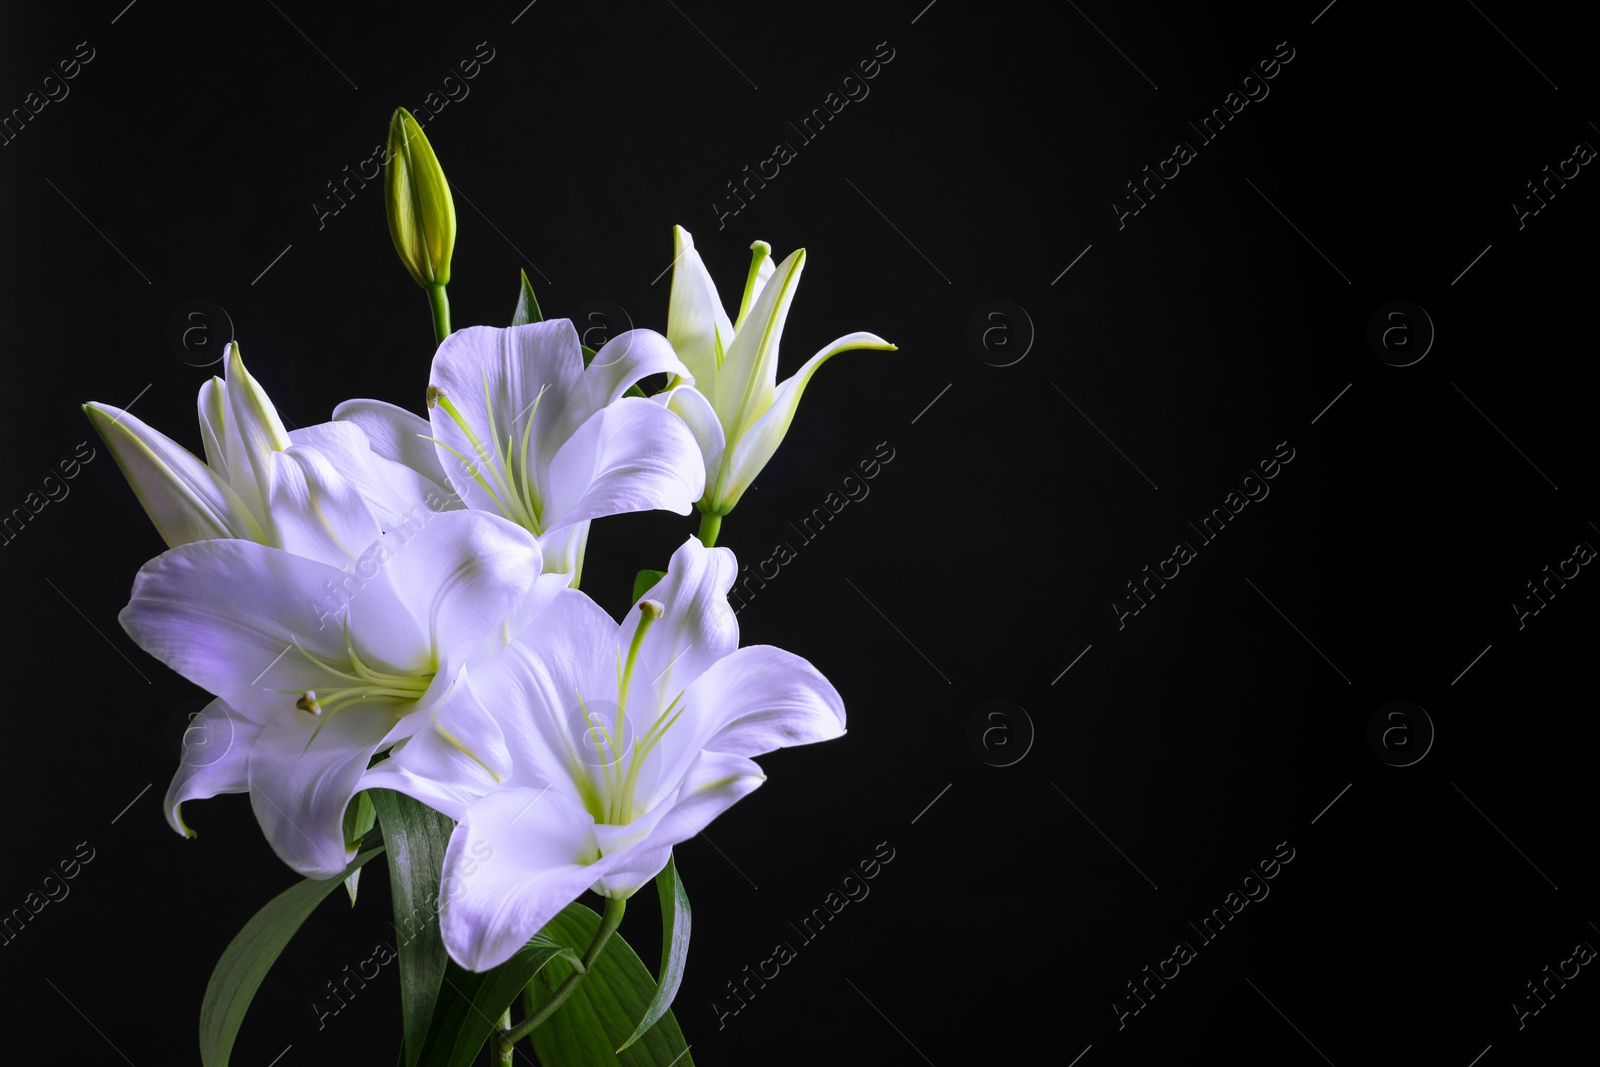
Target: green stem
[441,311]
[710,524]
[503,1051]
[608,926]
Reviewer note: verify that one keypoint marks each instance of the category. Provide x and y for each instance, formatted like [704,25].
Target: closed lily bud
[422,217]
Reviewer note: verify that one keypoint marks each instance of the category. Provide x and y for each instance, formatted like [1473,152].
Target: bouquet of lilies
[386,609]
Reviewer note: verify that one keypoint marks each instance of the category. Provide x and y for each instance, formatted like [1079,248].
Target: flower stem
[710,524]
[441,312]
[608,926]
[503,1051]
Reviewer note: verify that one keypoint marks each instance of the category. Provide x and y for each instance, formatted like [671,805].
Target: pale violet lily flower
[524,430]
[260,482]
[606,745]
[736,406]
[318,669]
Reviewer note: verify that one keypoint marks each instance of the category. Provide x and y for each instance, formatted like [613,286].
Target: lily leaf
[527,305]
[359,817]
[599,1015]
[417,837]
[251,954]
[645,581]
[674,947]
[470,1005]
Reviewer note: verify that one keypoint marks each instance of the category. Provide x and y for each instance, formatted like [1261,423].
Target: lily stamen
[517,497]
[649,612]
[367,684]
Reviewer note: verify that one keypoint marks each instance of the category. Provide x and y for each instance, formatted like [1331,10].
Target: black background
[1220,721]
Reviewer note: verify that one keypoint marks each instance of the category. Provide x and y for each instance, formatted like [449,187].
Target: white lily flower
[318,669]
[259,482]
[607,745]
[738,410]
[524,430]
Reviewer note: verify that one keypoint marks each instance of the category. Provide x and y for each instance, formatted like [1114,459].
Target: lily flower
[259,482]
[317,669]
[738,410]
[525,431]
[607,745]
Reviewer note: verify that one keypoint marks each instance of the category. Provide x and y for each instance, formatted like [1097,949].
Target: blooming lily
[524,430]
[318,669]
[259,482]
[735,405]
[607,746]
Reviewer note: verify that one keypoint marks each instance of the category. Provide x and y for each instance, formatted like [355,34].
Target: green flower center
[366,685]
[614,803]
[510,483]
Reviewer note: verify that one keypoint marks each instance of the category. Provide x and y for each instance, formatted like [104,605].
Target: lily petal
[697,326]
[299,793]
[758,700]
[498,382]
[227,615]
[697,626]
[454,761]
[715,782]
[215,760]
[624,360]
[691,405]
[213,405]
[253,432]
[185,500]
[632,455]
[547,686]
[315,511]
[395,492]
[750,370]
[459,576]
[759,440]
[517,858]
[395,434]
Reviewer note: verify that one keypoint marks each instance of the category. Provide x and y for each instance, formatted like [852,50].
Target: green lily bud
[422,217]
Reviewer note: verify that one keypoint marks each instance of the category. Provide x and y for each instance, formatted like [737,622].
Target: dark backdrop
[1163,753]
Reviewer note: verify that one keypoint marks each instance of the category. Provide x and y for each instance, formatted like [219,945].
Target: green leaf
[634,390]
[470,1005]
[674,947]
[359,817]
[588,354]
[527,305]
[251,954]
[645,581]
[417,837]
[600,1013]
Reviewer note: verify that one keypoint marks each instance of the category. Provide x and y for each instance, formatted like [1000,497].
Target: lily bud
[422,216]
[736,408]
